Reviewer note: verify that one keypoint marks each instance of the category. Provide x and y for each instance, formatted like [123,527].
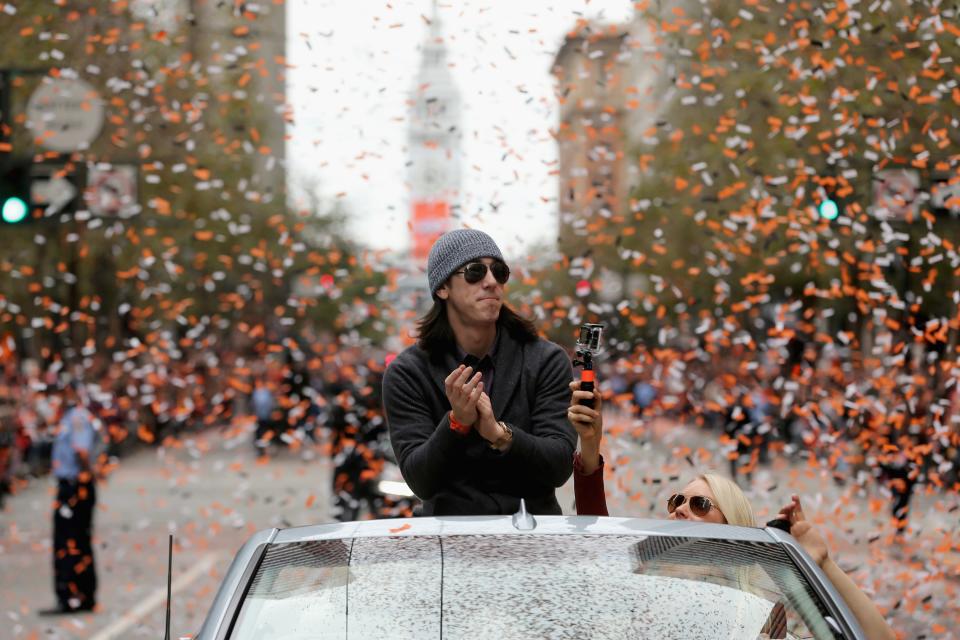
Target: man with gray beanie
[477,408]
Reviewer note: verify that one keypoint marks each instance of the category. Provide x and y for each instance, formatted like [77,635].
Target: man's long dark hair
[435,335]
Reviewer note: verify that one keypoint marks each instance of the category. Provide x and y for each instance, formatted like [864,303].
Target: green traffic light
[828,209]
[14,210]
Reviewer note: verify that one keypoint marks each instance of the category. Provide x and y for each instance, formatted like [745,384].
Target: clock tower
[434,144]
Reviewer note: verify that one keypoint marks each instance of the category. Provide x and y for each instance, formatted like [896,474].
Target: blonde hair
[736,509]
[730,500]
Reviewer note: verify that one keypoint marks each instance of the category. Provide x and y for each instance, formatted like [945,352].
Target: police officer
[74,573]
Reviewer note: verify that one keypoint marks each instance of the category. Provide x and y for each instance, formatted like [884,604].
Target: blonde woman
[709,498]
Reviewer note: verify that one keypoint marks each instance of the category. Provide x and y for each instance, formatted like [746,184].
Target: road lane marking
[158,598]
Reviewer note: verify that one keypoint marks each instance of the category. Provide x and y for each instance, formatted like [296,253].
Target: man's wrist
[458,426]
[488,429]
[469,423]
[592,443]
[504,438]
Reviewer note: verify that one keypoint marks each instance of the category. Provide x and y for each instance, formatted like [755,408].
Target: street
[212,493]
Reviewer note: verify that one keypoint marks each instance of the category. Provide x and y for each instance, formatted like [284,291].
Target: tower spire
[434,136]
[435,25]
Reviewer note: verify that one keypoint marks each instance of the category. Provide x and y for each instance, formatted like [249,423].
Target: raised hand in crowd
[866,612]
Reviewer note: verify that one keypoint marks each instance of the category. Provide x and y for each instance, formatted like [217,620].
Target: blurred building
[603,84]
[434,143]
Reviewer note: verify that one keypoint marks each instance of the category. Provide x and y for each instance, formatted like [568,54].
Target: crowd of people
[131,403]
[809,402]
[322,398]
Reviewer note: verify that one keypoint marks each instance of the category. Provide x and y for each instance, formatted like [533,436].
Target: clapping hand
[487,425]
[463,388]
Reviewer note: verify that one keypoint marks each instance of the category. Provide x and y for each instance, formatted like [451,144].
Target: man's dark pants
[74,575]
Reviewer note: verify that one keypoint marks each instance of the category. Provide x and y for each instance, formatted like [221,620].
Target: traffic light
[15,193]
[828,209]
[832,198]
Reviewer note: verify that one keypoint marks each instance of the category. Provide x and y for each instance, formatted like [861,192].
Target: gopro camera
[588,346]
[589,340]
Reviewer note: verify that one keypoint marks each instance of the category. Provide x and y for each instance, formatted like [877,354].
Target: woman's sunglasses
[477,271]
[699,505]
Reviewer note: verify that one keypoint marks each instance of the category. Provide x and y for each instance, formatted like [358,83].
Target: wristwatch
[505,438]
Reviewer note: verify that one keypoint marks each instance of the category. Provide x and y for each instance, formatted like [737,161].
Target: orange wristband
[459,427]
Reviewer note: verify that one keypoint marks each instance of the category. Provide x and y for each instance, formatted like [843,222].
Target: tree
[766,107]
[216,253]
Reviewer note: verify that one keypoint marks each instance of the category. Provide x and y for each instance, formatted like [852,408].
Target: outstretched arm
[869,617]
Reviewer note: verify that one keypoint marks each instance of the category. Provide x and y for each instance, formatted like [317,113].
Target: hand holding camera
[586,404]
[587,420]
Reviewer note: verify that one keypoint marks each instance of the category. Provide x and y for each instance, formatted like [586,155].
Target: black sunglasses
[699,505]
[477,271]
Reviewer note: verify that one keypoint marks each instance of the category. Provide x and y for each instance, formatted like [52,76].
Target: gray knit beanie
[454,249]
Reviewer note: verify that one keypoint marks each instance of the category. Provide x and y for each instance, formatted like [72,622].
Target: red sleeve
[588,489]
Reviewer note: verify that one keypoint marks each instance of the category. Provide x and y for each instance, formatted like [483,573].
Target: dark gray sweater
[461,475]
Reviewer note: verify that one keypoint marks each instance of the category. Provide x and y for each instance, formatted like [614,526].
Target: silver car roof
[500,525]
[231,593]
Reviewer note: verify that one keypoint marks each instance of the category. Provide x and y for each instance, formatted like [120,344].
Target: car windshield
[529,586]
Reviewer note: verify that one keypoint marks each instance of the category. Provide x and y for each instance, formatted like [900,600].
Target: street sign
[895,193]
[55,192]
[65,114]
[112,190]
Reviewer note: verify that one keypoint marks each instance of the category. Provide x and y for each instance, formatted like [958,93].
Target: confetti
[759,200]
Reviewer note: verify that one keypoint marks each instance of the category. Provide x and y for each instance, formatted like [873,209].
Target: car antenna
[166,635]
[522,519]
